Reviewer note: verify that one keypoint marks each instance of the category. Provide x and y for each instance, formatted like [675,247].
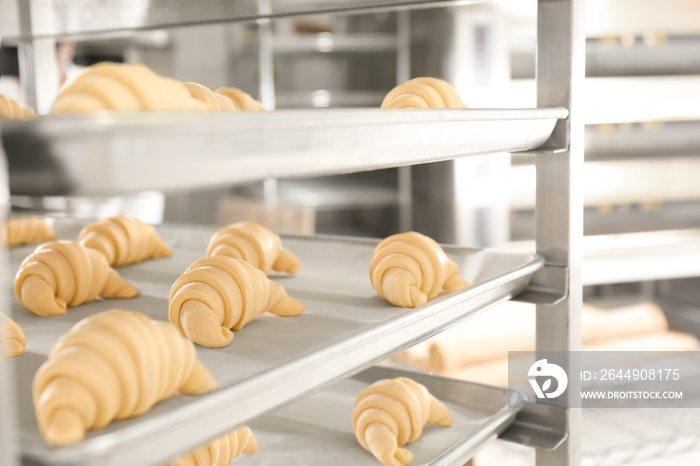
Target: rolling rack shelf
[346,327]
[97,154]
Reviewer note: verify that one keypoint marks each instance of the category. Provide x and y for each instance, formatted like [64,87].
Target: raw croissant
[423,93]
[112,366]
[391,413]
[255,244]
[214,101]
[63,273]
[27,230]
[10,108]
[409,269]
[13,341]
[241,100]
[222,451]
[116,86]
[217,294]
[124,240]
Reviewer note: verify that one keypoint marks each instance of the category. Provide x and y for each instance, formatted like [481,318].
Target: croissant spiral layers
[393,412]
[10,108]
[222,451]
[214,101]
[409,269]
[27,230]
[423,93]
[217,294]
[115,86]
[62,274]
[124,240]
[13,341]
[112,366]
[254,244]
[241,100]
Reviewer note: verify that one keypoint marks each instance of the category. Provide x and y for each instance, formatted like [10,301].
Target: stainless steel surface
[85,17]
[549,285]
[317,430]
[531,428]
[323,98]
[97,155]
[560,76]
[345,328]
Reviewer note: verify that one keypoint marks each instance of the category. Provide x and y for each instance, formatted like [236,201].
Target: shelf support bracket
[548,286]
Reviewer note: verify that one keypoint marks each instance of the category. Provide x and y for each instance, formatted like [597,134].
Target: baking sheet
[318,428]
[114,153]
[346,327]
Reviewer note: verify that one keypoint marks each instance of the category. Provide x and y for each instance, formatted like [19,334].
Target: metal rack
[306,143]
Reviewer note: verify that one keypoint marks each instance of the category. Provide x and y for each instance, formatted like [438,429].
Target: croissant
[63,273]
[241,100]
[27,230]
[254,244]
[13,341]
[116,86]
[124,240]
[217,294]
[112,366]
[391,413]
[222,451]
[423,93]
[10,108]
[214,101]
[409,269]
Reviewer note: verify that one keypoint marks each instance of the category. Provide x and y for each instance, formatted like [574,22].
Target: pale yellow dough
[64,273]
[13,341]
[409,269]
[241,100]
[393,412]
[214,101]
[217,294]
[124,240]
[27,230]
[112,366]
[116,86]
[423,93]
[222,451]
[10,108]
[254,244]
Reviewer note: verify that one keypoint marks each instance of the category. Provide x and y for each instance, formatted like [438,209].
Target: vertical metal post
[403,74]
[38,65]
[560,75]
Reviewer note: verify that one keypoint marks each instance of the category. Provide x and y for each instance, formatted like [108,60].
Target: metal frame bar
[560,75]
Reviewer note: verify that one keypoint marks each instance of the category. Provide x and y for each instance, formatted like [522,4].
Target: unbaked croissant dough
[13,341]
[214,101]
[241,100]
[62,274]
[116,86]
[423,93]
[10,108]
[124,240]
[393,412]
[222,451]
[217,294]
[27,230]
[112,366]
[255,244]
[409,269]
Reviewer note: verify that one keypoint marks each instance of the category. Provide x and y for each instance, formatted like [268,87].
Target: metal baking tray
[317,430]
[39,18]
[113,153]
[346,327]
